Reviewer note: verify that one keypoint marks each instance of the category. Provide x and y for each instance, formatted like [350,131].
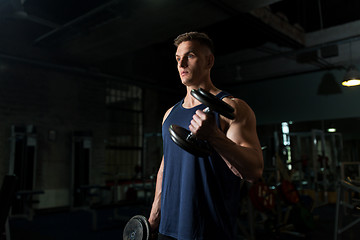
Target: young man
[195,197]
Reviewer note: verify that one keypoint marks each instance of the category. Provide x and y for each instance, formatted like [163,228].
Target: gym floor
[77,224]
[110,222]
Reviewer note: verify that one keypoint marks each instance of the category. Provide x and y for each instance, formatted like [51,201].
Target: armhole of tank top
[172,109]
[225,95]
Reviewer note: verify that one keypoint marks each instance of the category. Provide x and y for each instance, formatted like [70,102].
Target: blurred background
[84,86]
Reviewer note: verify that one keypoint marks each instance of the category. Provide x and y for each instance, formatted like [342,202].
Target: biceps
[243,135]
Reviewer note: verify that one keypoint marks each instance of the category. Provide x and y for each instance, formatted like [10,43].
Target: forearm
[246,162]
[155,213]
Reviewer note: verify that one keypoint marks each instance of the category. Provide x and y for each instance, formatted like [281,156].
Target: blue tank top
[200,196]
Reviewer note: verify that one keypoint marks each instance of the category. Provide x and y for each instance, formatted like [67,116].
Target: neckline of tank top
[197,106]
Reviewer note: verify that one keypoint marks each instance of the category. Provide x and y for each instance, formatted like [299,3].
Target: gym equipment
[185,139]
[289,192]
[137,228]
[262,197]
[286,188]
[23,163]
[7,197]
[80,167]
[302,218]
[347,214]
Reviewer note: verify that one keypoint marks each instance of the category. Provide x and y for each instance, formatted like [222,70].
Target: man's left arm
[238,143]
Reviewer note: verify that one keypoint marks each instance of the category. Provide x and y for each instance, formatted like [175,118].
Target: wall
[296,99]
[50,100]
[65,102]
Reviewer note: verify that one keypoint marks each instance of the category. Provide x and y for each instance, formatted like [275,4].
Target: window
[125,130]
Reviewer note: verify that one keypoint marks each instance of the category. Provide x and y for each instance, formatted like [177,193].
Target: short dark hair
[202,38]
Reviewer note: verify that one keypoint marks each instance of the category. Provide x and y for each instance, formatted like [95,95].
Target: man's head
[202,38]
[195,58]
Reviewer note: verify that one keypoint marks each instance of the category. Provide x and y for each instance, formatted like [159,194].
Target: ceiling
[132,40]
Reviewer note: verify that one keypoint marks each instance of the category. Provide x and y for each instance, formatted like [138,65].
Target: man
[195,197]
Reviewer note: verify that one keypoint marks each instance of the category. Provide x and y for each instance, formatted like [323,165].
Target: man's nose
[183,62]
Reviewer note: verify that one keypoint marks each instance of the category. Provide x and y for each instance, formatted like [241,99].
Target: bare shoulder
[242,130]
[242,110]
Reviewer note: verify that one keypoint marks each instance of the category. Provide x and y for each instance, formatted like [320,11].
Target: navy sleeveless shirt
[200,196]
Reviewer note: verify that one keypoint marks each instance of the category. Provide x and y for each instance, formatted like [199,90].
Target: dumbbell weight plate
[137,228]
[194,146]
[213,102]
[182,136]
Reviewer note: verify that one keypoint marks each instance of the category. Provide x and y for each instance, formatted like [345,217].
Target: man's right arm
[155,213]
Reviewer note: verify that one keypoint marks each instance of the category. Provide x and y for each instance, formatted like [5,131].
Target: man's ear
[210,60]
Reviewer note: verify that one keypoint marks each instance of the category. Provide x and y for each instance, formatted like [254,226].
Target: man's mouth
[183,73]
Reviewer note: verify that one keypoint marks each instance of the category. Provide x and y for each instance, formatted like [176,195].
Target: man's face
[193,62]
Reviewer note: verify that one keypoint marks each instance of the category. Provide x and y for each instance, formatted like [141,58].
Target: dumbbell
[137,228]
[185,139]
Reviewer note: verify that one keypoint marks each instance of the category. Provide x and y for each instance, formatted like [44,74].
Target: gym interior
[84,86]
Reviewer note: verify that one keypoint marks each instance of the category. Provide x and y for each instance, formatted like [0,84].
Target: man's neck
[190,101]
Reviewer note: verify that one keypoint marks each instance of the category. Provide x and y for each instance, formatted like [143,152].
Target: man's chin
[186,81]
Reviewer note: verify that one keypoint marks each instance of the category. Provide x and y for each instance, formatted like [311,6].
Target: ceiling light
[331,130]
[352,77]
